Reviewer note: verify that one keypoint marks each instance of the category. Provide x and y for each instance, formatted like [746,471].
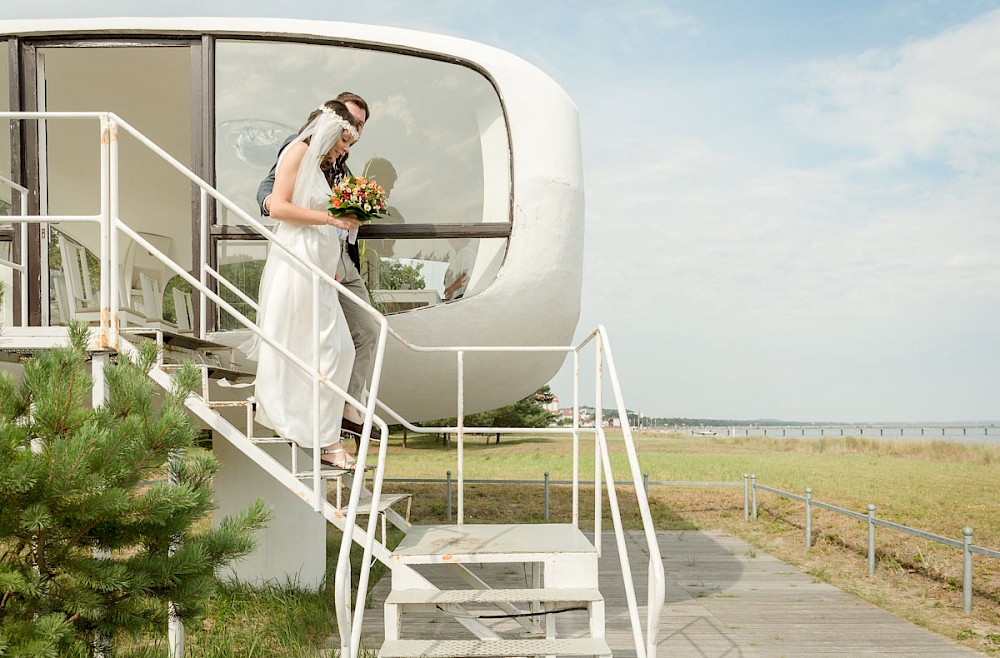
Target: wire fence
[750,488]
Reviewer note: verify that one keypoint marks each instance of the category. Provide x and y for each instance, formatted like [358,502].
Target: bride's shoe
[337,457]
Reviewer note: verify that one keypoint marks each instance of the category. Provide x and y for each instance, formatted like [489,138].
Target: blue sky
[813,231]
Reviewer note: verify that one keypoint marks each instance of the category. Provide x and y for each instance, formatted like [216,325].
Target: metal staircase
[562,561]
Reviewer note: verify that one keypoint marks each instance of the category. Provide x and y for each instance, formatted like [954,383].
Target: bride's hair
[338,107]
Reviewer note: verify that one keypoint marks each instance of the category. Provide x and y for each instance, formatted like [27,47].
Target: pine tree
[77,482]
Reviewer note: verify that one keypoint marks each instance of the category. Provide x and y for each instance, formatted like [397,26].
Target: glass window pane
[6,193]
[5,190]
[241,262]
[436,135]
[427,272]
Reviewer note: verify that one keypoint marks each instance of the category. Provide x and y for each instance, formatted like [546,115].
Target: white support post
[461,437]
[98,397]
[576,438]
[598,422]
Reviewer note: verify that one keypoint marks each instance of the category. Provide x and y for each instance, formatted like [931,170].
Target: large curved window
[436,139]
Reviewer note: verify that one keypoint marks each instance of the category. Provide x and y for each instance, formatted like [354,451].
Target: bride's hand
[348,222]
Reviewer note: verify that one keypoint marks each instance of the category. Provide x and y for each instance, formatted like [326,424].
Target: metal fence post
[447,495]
[966,569]
[746,496]
[871,539]
[753,494]
[645,483]
[809,517]
[546,495]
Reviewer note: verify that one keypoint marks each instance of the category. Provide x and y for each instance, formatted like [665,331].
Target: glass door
[150,85]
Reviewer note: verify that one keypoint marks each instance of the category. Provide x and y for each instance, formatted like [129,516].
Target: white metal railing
[111,225]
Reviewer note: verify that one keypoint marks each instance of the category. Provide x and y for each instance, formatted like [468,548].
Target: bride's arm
[280,203]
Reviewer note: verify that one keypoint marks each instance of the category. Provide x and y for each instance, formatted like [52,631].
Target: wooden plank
[720,602]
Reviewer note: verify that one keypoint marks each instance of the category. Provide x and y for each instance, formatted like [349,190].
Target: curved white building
[481,151]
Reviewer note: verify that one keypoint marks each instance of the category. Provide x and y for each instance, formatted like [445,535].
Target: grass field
[937,487]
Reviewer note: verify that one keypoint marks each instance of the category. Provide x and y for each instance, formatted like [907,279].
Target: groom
[364,330]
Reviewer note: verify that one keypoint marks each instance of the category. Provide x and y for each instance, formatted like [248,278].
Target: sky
[792,208]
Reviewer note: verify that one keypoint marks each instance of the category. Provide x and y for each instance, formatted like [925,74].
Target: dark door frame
[23,66]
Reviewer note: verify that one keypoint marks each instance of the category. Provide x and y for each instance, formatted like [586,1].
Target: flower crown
[341,121]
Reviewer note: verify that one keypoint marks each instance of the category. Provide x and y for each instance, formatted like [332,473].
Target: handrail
[657,580]
[111,224]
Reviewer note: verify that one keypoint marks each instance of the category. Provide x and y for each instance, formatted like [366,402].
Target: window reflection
[433,272]
[436,141]
[439,125]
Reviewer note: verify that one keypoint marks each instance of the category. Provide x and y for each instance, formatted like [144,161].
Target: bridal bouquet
[361,196]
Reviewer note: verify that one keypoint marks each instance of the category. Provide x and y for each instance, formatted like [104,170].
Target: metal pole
[461,437]
[576,439]
[746,496]
[809,495]
[447,495]
[645,483]
[753,494]
[966,569]
[546,495]
[871,539]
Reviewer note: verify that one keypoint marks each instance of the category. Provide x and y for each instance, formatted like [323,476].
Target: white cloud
[935,98]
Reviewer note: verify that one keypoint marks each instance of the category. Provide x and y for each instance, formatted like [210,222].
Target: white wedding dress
[284,393]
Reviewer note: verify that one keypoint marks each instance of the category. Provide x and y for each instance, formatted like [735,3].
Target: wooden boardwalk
[720,603]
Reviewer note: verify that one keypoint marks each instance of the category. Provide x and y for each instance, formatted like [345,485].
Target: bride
[302,185]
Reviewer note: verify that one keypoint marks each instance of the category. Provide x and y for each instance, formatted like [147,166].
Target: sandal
[339,458]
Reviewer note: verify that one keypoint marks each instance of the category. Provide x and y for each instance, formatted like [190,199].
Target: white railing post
[598,425]
[318,497]
[203,251]
[109,214]
[461,436]
[576,438]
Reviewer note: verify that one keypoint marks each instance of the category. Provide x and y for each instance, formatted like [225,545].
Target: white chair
[61,298]
[81,303]
[184,311]
[75,295]
[152,303]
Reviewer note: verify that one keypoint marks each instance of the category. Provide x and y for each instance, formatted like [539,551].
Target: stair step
[324,473]
[214,371]
[460,596]
[385,501]
[458,648]
[173,339]
[269,439]
[225,404]
[532,542]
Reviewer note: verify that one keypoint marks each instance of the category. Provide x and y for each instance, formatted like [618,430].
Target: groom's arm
[267,185]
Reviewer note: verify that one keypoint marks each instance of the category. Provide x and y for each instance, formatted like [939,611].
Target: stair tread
[542,647]
[549,595]
[385,501]
[428,544]
[214,371]
[324,473]
[184,341]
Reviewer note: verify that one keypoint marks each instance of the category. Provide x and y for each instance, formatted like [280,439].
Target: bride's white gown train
[284,393]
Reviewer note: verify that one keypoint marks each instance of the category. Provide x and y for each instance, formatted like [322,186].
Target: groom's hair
[336,106]
[351,97]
